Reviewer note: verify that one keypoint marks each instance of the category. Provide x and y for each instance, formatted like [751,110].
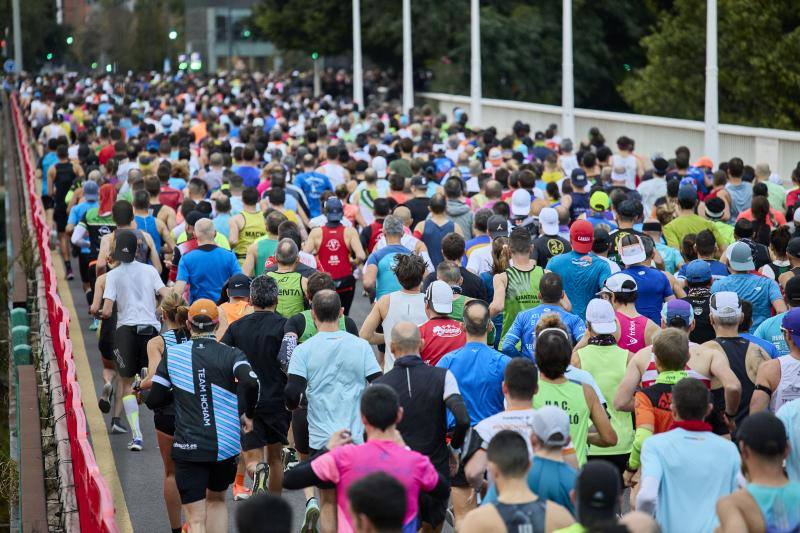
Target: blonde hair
[501,255]
[175,309]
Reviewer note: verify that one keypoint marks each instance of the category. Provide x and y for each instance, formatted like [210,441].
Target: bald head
[286,253]
[404,214]
[204,231]
[405,339]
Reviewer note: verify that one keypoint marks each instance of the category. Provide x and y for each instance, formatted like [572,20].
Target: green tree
[40,33]
[757,51]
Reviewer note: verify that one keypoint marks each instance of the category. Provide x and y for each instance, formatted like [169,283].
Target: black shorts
[105,341]
[432,510]
[460,479]
[620,461]
[87,271]
[60,218]
[300,430]
[268,428]
[130,348]
[194,479]
[47,201]
[164,423]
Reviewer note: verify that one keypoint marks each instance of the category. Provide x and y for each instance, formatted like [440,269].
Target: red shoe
[240,492]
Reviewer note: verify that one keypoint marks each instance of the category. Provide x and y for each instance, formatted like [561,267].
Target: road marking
[101,444]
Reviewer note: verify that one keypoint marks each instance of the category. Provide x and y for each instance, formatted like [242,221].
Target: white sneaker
[135,445]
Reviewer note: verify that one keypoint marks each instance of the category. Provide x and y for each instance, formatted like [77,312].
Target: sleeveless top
[522,292]
[651,373]
[311,329]
[432,235]
[523,517]
[735,349]
[780,506]
[631,332]
[403,307]
[290,292]
[607,364]
[265,248]
[580,205]
[376,230]
[172,337]
[148,224]
[254,227]
[62,181]
[155,209]
[333,256]
[788,388]
[568,397]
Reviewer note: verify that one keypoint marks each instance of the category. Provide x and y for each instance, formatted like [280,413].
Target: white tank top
[334,172]
[789,387]
[403,307]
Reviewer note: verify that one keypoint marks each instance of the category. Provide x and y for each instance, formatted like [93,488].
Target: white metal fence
[778,148]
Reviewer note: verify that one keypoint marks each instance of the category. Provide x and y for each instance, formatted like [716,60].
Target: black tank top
[523,517]
[65,176]
[736,351]
[154,209]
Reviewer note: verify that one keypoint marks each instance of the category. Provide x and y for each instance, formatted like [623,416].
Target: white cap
[550,424]
[632,253]
[619,174]
[495,153]
[258,122]
[440,297]
[521,203]
[548,218]
[725,304]
[601,317]
[619,282]
[379,164]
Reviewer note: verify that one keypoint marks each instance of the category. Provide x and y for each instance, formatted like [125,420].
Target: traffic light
[314,56]
[94,65]
[70,40]
[49,56]
[109,68]
[173,35]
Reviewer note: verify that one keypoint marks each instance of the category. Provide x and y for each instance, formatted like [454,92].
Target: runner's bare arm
[155,349]
[354,243]
[500,281]
[311,245]
[373,320]
[370,277]
[233,230]
[623,400]
[249,266]
[769,376]
[605,436]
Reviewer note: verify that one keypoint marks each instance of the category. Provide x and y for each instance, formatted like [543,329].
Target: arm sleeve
[78,234]
[295,387]
[248,387]
[288,344]
[456,406]
[302,476]
[651,481]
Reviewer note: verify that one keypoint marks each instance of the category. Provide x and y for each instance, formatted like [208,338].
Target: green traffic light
[49,56]
[94,65]
[70,40]
[246,34]
[109,68]
[314,56]
[173,35]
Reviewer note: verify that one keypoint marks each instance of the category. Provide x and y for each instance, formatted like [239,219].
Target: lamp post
[712,104]
[408,70]
[358,75]
[567,78]
[475,67]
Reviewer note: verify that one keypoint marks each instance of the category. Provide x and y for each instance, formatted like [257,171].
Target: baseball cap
[600,316]
[792,292]
[619,174]
[497,226]
[687,192]
[704,161]
[793,248]
[619,282]
[632,253]
[239,286]
[334,210]
[419,182]
[660,166]
[581,236]
[548,218]
[677,309]
[550,424]
[764,433]
[193,217]
[602,240]
[688,182]
[126,244]
[725,304]
[521,203]
[791,323]
[90,191]
[203,312]
[597,491]
[379,164]
[698,271]
[599,201]
[495,156]
[740,257]
[715,208]
[630,209]
[440,297]
[578,177]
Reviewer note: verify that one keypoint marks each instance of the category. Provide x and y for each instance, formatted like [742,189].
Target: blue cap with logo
[698,271]
[334,210]
[677,309]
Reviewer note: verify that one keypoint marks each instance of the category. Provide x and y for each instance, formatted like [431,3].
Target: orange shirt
[236,310]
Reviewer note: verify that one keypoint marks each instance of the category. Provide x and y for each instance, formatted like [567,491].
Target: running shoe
[95,325]
[104,403]
[70,275]
[260,479]
[117,427]
[289,458]
[240,492]
[135,445]
[310,523]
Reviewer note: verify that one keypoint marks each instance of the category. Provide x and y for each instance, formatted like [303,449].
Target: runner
[635,331]
[778,380]
[235,301]
[61,176]
[264,247]
[335,247]
[206,268]
[379,277]
[247,225]
[291,277]
[440,333]
[549,243]
[432,230]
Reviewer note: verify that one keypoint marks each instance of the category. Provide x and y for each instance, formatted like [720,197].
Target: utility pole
[358,73]
[712,94]
[475,67]
[317,80]
[17,36]
[408,70]
[567,78]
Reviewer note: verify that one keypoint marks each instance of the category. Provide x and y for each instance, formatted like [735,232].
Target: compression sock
[239,479]
[132,414]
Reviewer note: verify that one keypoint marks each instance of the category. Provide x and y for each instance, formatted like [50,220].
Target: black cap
[125,248]
[538,136]
[239,286]
[715,208]
[497,226]
[419,182]
[597,489]
[764,433]
[630,209]
[194,216]
[793,248]
[660,166]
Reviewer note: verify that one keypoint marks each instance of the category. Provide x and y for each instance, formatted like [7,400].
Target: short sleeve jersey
[583,276]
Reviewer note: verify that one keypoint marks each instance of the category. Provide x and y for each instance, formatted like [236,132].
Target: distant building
[219,30]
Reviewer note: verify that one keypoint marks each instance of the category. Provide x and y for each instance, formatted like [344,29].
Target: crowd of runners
[563,335]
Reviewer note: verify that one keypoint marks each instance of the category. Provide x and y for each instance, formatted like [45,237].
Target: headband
[545,330]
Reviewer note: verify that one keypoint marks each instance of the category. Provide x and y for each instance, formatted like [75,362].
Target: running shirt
[654,288]
[698,298]
[522,292]
[432,235]
[333,256]
[608,364]
[523,517]
[780,506]
[520,421]
[310,328]
[788,388]
[97,226]
[172,337]
[546,246]
[650,374]
[345,465]
[206,269]
[313,185]
[265,248]
[631,332]
[569,397]
[790,416]
[148,225]
[440,335]
[254,227]
[291,299]
[403,307]
[771,331]
[62,182]
[235,310]
[718,270]
[583,276]
[383,259]
[134,286]
[735,349]
[200,373]
[523,329]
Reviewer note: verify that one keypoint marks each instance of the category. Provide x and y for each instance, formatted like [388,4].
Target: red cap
[581,236]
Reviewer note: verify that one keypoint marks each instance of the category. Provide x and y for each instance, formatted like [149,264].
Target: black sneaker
[104,403]
[117,427]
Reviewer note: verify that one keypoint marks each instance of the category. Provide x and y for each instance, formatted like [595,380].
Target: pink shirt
[347,464]
[632,331]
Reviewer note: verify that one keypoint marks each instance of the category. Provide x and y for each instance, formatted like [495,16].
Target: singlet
[62,181]
[777,270]
[568,397]
[458,308]
[788,388]
[148,224]
[333,256]
[735,349]
[171,338]
[265,248]
[290,292]
[432,235]
[375,232]
[254,227]
[523,517]
[522,292]
[651,373]
[155,209]
[607,364]
[580,205]
[403,307]
[142,248]
[631,332]
[780,506]
[97,226]
[311,329]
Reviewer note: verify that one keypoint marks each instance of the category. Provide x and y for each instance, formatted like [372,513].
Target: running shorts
[130,348]
[105,341]
[47,201]
[60,217]
[268,428]
[194,478]
[165,423]
[87,274]
[432,510]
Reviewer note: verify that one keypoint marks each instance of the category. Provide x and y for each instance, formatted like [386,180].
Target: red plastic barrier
[95,505]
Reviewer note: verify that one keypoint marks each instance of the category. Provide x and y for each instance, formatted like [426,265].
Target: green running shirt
[290,292]
[569,397]
[522,292]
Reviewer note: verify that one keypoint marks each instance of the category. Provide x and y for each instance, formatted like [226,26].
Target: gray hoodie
[461,214]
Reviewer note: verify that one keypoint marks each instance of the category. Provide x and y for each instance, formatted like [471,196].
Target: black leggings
[346,288]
